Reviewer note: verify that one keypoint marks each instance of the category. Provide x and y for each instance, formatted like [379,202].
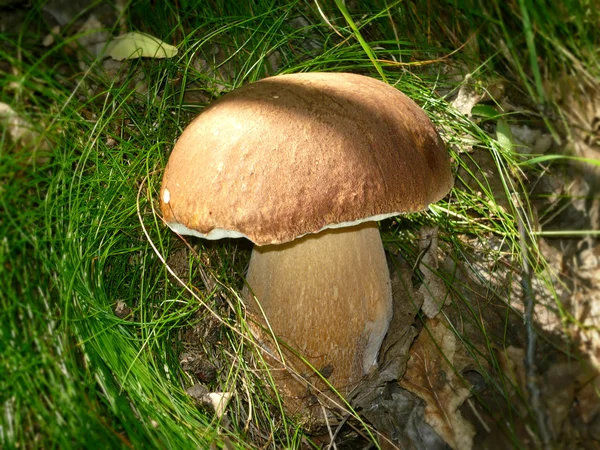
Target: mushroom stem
[328,296]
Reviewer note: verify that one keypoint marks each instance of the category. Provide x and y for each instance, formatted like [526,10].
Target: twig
[340,426]
[481,421]
[331,438]
[530,366]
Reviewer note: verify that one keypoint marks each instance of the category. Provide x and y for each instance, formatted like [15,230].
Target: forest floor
[115,331]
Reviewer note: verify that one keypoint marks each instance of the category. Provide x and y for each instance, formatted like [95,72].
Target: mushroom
[304,165]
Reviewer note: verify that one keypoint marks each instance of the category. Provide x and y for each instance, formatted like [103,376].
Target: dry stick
[339,427]
[530,366]
[331,436]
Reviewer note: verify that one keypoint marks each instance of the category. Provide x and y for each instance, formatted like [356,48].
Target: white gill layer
[220,233]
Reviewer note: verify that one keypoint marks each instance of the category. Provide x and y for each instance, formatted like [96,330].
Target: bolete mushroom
[304,165]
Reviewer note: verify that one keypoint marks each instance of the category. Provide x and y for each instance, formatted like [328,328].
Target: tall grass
[79,232]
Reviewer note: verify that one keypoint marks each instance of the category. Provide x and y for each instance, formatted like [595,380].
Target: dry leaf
[219,401]
[139,45]
[434,292]
[512,364]
[431,375]
[558,387]
[18,128]
[92,36]
[23,133]
[467,96]
[216,401]
[394,412]
[588,399]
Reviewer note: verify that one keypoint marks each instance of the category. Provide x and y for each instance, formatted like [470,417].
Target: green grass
[79,231]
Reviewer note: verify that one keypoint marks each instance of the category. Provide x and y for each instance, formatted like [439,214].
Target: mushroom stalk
[328,296]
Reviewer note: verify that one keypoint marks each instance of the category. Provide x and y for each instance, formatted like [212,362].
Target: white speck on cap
[166,196]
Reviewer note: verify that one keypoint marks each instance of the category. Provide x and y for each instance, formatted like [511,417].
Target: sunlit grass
[80,231]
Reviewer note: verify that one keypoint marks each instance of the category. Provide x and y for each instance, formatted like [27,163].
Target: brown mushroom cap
[295,154]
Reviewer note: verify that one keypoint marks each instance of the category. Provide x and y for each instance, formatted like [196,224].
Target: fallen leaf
[18,128]
[122,310]
[579,101]
[588,399]
[467,96]
[401,421]
[512,363]
[431,375]
[434,291]
[215,401]
[558,388]
[396,414]
[514,382]
[50,37]
[220,401]
[530,140]
[139,45]
[198,365]
[23,134]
